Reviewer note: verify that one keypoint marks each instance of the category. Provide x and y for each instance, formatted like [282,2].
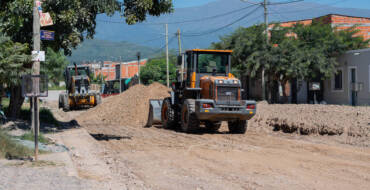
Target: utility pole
[179,40]
[267,39]
[36,71]
[167,59]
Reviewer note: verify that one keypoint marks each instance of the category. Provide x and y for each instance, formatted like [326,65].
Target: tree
[322,44]
[305,52]
[54,66]
[156,71]
[74,20]
[244,42]
[13,58]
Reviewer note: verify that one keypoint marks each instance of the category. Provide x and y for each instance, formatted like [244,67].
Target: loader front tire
[168,114]
[189,120]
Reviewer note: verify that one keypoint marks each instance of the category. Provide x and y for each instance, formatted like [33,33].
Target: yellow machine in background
[78,94]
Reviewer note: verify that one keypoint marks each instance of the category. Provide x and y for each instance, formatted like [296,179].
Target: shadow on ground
[201,131]
[104,137]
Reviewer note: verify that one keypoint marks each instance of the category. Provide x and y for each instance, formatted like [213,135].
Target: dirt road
[165,159]
[134,157]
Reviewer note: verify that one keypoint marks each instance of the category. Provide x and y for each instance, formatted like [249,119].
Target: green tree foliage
[156,70]
[309,52]
[13,61]
[74,21]
[13,58]
[54,66]
[99,79]
[306,52]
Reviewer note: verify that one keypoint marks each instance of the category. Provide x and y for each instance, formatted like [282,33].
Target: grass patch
[40,163]
[30,137]
[45,114]
[11,149]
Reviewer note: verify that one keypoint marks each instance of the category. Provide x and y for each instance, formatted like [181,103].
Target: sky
[364,4]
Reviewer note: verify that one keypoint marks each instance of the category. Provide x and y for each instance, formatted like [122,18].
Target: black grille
[227,93]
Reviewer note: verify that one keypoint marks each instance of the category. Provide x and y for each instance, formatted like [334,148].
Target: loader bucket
[154,116]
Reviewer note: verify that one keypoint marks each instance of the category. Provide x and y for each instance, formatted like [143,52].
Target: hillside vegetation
[102,50]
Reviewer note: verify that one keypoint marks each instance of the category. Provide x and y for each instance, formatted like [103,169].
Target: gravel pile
[314,119]
[129,108]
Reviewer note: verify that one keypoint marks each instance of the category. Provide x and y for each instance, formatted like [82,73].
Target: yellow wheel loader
[78,95]
[205,93]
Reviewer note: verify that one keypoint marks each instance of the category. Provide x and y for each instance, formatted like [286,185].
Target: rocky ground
[285,147]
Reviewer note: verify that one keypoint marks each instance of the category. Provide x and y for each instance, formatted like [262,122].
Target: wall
[359,59]
[345,22]
[128,70]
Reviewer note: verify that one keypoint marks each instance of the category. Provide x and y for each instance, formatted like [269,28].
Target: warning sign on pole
[45,19]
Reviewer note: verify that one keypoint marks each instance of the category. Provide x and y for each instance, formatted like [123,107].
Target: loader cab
[77,79]
[199,63]
[203,72]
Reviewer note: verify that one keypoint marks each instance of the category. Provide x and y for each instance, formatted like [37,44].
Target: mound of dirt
[129,108]
[314,119]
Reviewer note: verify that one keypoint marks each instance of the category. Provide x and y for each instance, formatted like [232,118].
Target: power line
[277,3]
[314,7]
[186,21]
[169,42]
[223,27]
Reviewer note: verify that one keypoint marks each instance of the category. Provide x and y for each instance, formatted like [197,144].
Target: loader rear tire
[189,120]
[168,114]
[213,126]
[237,127]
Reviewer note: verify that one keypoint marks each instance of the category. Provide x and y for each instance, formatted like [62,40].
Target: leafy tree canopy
[307,52]
[54,66]
[13,57]
[74,20]
[156,70]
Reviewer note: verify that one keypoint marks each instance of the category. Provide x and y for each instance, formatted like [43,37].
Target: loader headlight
[236,82]
[220,81]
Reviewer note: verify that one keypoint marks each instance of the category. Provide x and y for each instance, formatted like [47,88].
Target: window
[208,62]
[337,82]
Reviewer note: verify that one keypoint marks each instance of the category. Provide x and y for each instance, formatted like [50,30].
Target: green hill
[101,50]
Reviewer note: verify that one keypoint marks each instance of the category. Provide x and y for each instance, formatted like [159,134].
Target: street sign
[38,56]
[315,86]
[45,19]
[34,86]
[47,35]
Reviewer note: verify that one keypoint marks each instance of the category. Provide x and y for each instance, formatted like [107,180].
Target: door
[352,84]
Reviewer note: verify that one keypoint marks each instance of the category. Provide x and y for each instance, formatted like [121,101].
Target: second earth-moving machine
[205,92]
[78,95]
